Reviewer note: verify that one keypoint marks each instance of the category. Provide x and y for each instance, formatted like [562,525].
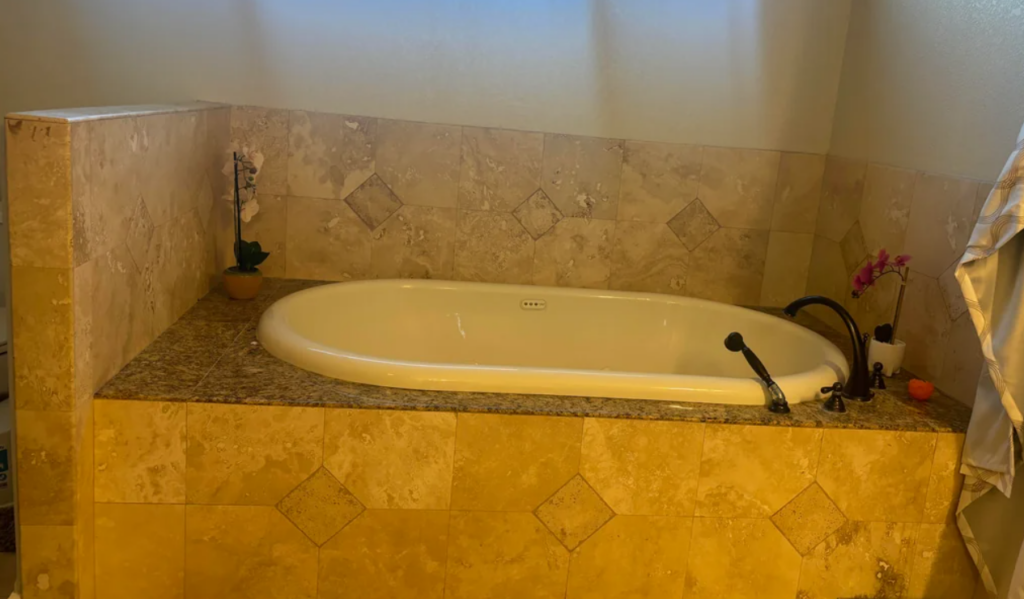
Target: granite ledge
[211,355]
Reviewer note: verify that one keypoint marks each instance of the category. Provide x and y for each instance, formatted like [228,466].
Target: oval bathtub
[452,336]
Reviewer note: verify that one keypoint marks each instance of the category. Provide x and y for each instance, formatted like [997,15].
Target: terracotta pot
[242,285]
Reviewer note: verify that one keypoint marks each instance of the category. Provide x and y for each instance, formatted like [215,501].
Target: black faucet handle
[835,401]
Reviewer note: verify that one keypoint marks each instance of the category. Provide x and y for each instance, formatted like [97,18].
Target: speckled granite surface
[211,355]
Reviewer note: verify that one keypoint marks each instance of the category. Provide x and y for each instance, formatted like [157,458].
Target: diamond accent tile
[140,232]
[574,513]
[853,248]
[693,225]
[537,214]
[809,519]
[320,506]
[373,202]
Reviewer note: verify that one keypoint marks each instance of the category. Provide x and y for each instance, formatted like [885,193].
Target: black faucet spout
[858,387]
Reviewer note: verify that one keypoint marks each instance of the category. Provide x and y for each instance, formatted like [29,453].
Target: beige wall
[931,85]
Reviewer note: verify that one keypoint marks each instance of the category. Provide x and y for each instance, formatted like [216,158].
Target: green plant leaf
[250,255]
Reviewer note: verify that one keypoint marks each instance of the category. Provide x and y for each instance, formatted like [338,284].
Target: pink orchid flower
[882,265]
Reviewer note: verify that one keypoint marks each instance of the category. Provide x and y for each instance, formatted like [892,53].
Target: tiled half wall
[232,502]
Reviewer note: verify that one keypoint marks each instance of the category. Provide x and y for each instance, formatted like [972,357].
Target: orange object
[920,390]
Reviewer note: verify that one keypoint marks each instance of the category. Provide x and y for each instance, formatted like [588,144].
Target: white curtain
[991,274]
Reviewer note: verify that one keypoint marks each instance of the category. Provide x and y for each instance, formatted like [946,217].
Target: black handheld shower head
[734,343]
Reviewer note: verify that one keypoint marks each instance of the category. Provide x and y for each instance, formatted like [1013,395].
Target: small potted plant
[243,280]
[884,347]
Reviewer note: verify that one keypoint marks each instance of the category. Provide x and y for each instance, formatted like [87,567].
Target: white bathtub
[521,339]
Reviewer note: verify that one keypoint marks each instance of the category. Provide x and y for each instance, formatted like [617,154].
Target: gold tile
[329,155]
[809,519]
[250,455]
[140,451]
[574,513]
[234,552]
[648,257]
[632,556]
[387,554]
[754,484]
[85,523]
[941,221]
[512,463]
[373,202]
[500,168]
[140,551]
[885,210]
[44,340]
[46,467]
[581,175]
[417,242]
[492,248]
[658,180]
[392,459]
[420,161]
[925,327]
[729,266]
[740,558]
[643,468]
[877,475]
[786,267]
[861,559]
[320,506]
[263,130]
[841,194]
[738,186]
[693,225]
[501,555]
[48,565]
[39,193]
[537,214]
[269,228]
[942,568]
[326,241]
[576,252]
[945,480]
[798,192]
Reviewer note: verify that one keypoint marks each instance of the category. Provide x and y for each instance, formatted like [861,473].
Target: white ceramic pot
[889,354]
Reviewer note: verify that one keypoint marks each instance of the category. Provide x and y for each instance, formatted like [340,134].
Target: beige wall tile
[951,293]
[786,267]
[420,162]
[250,455]
[942,568]
[658,180]
[373,202]
[925,326]
[392,459]
[740,558]
[809,519]
[575,253]
[44,342]
[643,468]
[574,513]
[754,484]
[862,559]
[234,552]
[941,221]
[387,554]
[417,242]
[329,155]
[492,248]
[826,277]
[945,480]
[270,228]
[582,175]
[648,257]
[738,186]
[632,556]
[326,241]
[48,565]
[499,168]
[852,246]
[263,130]
[877,475]
[39,193]
[140,451]
[963,362]
[729,267]
[320,506]
[537,214]
[176,274]
[512,463]
[798,192]
[693,225]
[503,555]
[841,196]
[885,209]
[47,467]
[877,305]
[122,315]
[170,163]
[140,551]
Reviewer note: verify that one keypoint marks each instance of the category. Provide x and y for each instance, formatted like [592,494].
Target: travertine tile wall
[869,206]
[111,241]
[347,197]
[314,503]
